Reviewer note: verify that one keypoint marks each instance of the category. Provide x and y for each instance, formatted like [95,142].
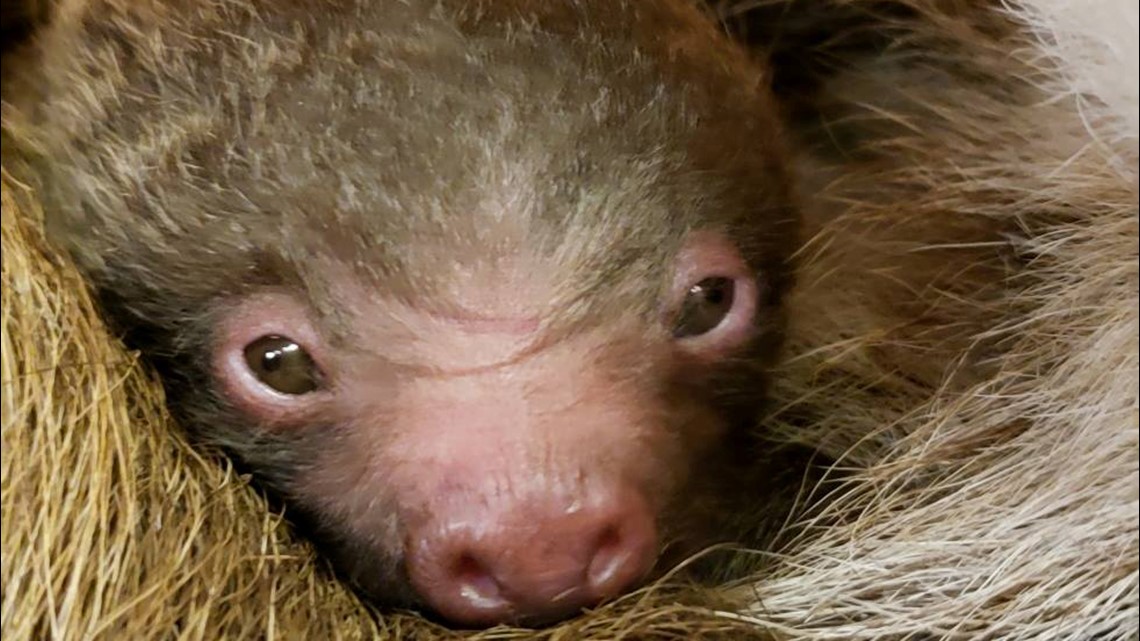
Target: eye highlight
[713,302]
[705,306]
[282,365]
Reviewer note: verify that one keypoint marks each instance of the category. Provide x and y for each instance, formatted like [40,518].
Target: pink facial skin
[507,484]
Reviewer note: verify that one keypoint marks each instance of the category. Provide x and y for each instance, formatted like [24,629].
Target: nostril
[608,558]
[533,565]
[476,584]
[456,580]
[624,553]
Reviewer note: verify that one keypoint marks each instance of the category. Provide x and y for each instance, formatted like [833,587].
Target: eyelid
[736,326]
[249,320]
[709,254]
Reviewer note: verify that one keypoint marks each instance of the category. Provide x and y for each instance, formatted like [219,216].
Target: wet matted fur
[965,347]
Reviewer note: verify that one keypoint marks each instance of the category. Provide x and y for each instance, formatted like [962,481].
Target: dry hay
[966,349]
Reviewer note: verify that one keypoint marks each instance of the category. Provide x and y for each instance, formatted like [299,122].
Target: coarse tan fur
[964,343]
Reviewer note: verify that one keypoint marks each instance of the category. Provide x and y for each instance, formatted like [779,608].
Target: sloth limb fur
[991,431]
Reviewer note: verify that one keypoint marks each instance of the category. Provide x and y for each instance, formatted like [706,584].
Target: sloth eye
[705,306]
[283,365]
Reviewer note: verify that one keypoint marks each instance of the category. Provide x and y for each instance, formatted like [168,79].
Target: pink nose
[534,563]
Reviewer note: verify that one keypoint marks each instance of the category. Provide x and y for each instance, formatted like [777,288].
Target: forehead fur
[406,140]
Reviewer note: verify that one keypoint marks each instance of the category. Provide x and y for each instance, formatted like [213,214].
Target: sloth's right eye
[282,365]
[707,303]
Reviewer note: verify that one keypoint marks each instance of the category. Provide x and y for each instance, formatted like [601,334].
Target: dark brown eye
[282,364]
[705,306]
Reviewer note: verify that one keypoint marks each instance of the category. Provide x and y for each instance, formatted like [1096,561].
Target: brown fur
[1001,508]
[193,156]
[980,379]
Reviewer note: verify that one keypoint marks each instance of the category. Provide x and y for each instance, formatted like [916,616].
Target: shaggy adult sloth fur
[992,427]
[964,344]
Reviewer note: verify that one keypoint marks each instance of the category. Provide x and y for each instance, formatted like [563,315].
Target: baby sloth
[484,292]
